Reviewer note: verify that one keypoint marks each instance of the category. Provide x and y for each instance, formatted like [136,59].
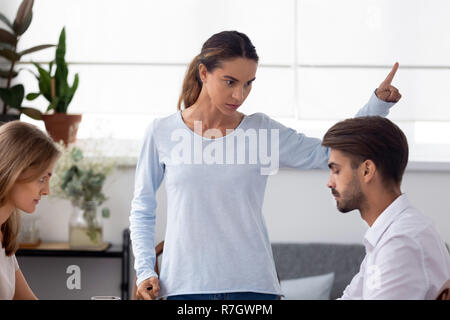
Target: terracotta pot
[61,126]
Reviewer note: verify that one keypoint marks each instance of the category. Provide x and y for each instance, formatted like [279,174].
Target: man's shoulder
[411,227]
[412,221]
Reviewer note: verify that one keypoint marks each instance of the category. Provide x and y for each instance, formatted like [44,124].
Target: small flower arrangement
[81,179]
[78,178]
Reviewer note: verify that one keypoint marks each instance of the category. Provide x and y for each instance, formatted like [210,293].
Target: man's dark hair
[371,138]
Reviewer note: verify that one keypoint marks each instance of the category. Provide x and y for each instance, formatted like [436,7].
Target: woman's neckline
[209,139]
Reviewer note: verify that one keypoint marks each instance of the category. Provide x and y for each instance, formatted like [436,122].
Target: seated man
[405,257]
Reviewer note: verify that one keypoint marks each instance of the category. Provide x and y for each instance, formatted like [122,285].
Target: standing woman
[27,158]
[216,160]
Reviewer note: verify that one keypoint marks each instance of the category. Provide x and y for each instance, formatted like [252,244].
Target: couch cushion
[309,288]
[296,260]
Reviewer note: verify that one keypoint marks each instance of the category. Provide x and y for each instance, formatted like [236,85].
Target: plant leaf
[32,113]
[7,37]
[53,105]
[61,73]
[61,66]
[74,88]
[23,17]
[50,67]
[5,74]
[44,82]
[76,154]
[26,24]
[13,96]
[5,95]
[6,21]
[61,50]
[18,92]
[4,45]
[106,213]
[34,49]
[32,96]
[9,55]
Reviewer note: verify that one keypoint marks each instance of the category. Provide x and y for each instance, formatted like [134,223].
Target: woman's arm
[301,152]
[22,289]
[148,178]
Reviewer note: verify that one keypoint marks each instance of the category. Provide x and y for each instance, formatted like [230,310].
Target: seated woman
[27,158]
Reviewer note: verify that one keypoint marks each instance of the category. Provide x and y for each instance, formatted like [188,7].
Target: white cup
[105,298]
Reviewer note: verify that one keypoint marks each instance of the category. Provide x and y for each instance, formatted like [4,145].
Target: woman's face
[229,85]
[25,196]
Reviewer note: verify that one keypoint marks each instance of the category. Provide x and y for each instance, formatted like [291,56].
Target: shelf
[61,249]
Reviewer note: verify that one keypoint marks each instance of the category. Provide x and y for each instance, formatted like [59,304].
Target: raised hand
[386,91]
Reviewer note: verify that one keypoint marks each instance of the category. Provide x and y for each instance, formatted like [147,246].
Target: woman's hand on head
[148,289]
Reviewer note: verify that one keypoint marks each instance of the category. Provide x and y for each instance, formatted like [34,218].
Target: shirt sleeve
[16,264]
[148,178]
[301,152]
[354,290]
[398,272]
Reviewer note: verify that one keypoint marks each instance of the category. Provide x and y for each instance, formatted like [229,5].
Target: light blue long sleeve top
[216,238]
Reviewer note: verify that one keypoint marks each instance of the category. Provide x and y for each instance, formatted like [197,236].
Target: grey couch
[298,260]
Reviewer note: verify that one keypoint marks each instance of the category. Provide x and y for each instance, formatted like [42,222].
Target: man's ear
[368,170]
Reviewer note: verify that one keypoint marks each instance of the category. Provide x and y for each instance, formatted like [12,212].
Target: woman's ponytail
[191,85]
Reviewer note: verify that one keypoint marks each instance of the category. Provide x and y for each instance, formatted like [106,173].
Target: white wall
[297,208]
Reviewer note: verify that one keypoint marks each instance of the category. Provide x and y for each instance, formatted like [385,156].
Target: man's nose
[330,183]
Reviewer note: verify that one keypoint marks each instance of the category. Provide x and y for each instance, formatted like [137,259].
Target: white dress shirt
[405,257]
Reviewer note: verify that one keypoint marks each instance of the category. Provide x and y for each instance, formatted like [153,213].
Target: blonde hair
[23,147]
[221,46]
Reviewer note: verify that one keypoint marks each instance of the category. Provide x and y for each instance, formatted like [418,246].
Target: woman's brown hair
[23,148]
[220,47]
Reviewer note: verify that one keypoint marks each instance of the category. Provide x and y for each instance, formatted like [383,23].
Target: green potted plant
[12,96]
[80,179]
[54,87]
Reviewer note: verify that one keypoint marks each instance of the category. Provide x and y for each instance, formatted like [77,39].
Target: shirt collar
[385,219]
